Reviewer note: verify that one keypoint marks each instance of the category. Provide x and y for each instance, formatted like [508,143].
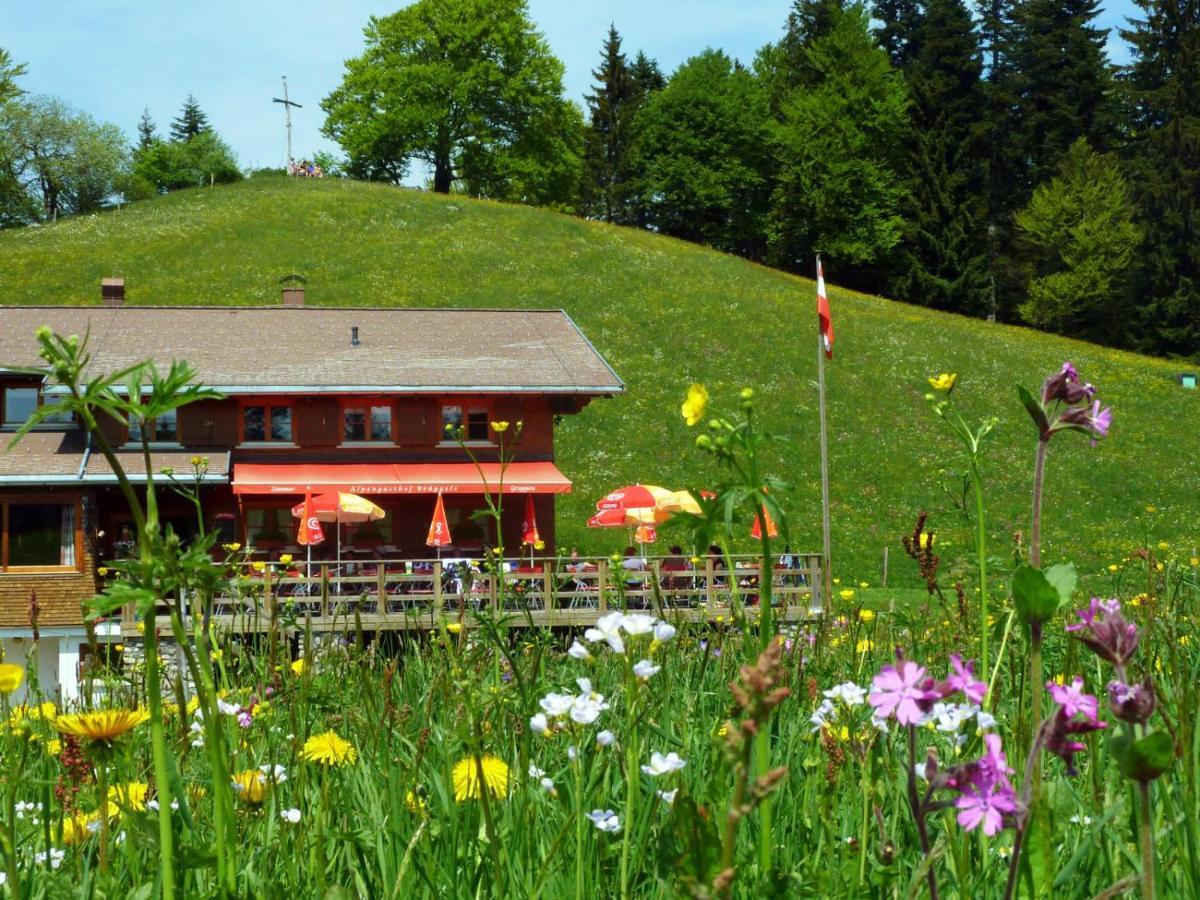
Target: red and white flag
[823,318]
[311,531]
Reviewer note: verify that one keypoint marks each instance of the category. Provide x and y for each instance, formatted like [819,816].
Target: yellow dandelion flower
[847,594]
[11,676]
[1113,567]
[101,726]
[866,615]
[329,749]
[1163,545]
[193,704]
[78,828]
[695,404]
[251,786]
[1185,640]
[54,746]
[130,796]
[196,793]
[299,666]
[466,777]
[1158,567]
[416,803]
[500,427]
[944,381]
[865,645]
[1136,601]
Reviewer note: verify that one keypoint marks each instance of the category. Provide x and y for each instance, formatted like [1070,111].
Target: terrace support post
[324,590]
[602,584]
[437,584]
[549,599]
[381,592]
[656,569]
[815,589]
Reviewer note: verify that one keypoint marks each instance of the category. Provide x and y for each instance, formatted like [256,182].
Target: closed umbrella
[339,507]
[439,528]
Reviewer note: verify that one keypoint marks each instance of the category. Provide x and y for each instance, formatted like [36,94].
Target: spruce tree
[899,29]
[646,76]
[943,260]
[146,131]
[191,122]
[607,168]
[1164,158]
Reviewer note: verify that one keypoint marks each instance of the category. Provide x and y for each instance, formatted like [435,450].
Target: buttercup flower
[251,786]
[466,777]
[944,381]
[11,676]
[500,427]
[695,404]
[285,559]
[329,749]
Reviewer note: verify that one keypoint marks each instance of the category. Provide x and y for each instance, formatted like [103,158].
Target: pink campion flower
[1073,700]
[986,806]
[1106,631]
[900,692]
[962,678]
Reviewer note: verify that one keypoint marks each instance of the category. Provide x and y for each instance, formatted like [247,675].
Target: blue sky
[111,58]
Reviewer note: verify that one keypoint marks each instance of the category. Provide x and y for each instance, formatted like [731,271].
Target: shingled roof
[309,349]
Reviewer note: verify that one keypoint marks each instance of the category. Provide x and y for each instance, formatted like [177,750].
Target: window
[163,429]
[367,423]
[267,424]
[36,535]
[19,402]
[475,425]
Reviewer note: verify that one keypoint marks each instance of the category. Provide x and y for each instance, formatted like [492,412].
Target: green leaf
[1143,759]
[1035,597]
[1035,409]
[118,594]
[1063,578]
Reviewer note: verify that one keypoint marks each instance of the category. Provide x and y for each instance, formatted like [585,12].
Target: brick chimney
[112,291]
[293,295]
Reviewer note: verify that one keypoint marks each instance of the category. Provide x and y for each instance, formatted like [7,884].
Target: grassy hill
[666,313]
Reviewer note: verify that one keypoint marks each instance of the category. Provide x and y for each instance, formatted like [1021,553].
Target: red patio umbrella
[635,496]
[529,529]
[756,529]
[439,528]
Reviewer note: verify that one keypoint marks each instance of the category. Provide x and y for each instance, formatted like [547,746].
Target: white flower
[848,692]
[290,815]
[198,743]
[608,629]
[585,686]
[275,773]
[1077,819]
[606,738]
[985,721]
[663,631]
[547,785]
[880,722]
[535,772]
[668,796]
[572,752]
[578,651]
[605,820]
[586,710]
[645,669]
[820,717]
[556,705]
[229,709]
[55,857]
[637,624]
[663,765]
[919,771]
[949,717]
[538,723]
[21,808]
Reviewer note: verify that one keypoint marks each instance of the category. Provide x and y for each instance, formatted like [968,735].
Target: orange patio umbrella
[338,507]
[439,528]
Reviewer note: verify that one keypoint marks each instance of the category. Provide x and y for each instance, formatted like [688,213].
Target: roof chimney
[293,296]
[112,291]
[354,341]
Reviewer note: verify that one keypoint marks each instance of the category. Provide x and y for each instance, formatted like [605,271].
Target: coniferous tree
[608,142]
[147,133]
[646,76]
[191,121]
[899,29]
[1163,88]
[842,117]
[943,261]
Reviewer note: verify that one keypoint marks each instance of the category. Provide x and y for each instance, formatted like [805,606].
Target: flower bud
[1132,702]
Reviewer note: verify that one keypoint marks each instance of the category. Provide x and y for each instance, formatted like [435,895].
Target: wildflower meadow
[1019,733]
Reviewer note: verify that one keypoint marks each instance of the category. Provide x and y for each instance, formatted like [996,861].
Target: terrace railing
[401,595]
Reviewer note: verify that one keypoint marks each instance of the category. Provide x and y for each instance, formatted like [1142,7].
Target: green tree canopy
[839,191]
[172,165]
[703,155]
[470,89]
[1081,240]
[191,121]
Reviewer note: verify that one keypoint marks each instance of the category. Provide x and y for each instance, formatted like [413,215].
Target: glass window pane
[166,427]
[477,425]
[135,429]
[253,423]
[381,423]
[54,400]
[35,534]
[355,425]
[452,419]
[281,423]
[19,404]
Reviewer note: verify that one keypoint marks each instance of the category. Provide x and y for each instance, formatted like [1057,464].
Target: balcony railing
[418,594]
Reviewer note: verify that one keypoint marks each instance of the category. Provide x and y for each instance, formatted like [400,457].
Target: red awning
[397,478]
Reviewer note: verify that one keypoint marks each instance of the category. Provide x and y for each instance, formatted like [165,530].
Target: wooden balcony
[417,595]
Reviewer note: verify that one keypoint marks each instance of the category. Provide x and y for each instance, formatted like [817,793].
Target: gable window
[267,423]
[473,420]
[38,535]
[367,424]
[162,429]
[17,404]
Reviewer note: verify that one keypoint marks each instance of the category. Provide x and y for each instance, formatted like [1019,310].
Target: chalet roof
[45,458]
[309,349]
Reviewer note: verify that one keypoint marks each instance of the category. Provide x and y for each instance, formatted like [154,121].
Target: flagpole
[827,586]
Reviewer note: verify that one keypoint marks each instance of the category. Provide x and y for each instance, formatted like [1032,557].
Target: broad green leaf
[1062,576]
[1143,759]
[1035,410]
[1035,597]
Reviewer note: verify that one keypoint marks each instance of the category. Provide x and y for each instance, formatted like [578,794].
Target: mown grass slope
[665,313]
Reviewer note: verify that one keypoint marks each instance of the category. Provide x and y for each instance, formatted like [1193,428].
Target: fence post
[437,584]
[381,607]
[709,599]
[550,600]
[602,585]
[324,590]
